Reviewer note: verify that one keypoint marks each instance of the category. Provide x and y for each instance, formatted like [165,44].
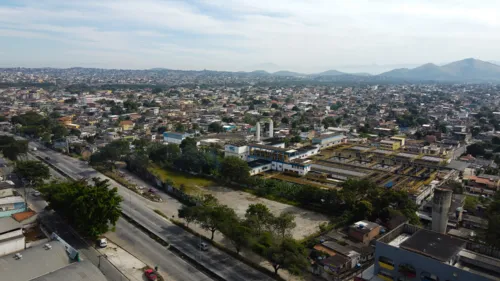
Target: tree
[296,108]
[164,154]
[288,254]
[34,172]
[237,232]
[188,143]
[235,169]
[130,106]
[90,208]
[285,120]
[283,224]
[59,132]
[189,214]
[215,127]
[180,128]
[274,105]
[112,152]
[75,132]
[156,90]
[12,148]
[213,218]
[258,217]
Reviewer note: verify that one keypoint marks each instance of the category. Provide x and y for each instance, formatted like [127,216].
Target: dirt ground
[307,221]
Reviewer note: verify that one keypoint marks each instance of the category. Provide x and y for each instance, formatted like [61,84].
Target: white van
[103,243]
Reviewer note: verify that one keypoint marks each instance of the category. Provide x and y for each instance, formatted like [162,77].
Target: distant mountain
[288,73]
[260,72]
[329,73]
[467,70]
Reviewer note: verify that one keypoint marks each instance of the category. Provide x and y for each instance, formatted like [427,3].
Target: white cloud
[303,35]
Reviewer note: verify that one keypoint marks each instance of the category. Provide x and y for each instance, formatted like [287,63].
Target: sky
[297,35]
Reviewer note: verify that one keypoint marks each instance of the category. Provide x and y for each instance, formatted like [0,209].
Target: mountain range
[467,70]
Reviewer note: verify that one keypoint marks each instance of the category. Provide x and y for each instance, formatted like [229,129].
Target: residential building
[364,231]
[126,125]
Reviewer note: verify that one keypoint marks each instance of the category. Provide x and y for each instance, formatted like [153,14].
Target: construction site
[396,169]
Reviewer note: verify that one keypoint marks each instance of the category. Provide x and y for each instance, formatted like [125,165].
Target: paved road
[137,208]
[138,243]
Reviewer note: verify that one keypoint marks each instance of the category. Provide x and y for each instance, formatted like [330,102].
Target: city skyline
[238,36]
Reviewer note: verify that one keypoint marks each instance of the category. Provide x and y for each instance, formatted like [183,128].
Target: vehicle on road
[47,158]
[152,190]
[34,149]
[102,242]
[150,274]
[203,246]
[36,193]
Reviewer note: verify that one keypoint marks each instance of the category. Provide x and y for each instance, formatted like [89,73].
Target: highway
[137,208]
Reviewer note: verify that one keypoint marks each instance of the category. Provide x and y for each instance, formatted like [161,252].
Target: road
[151,252]
[138,208]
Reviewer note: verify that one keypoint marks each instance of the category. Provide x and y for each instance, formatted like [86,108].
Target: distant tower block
[440,207]
[257,133]
[271,128]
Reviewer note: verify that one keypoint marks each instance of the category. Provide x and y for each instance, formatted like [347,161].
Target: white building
[237,150]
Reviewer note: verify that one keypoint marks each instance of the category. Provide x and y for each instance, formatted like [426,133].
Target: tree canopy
[33,172]
[90,208]
[235,169]
[12,148]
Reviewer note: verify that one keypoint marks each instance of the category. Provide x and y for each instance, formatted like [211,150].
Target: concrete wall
[421,264]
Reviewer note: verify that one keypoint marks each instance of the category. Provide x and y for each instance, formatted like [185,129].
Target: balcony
[385,277]
[385,265]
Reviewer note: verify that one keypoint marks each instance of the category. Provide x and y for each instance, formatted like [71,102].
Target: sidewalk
[129,265]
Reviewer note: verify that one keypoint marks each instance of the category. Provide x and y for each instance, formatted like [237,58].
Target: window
[407,270]
[426,276]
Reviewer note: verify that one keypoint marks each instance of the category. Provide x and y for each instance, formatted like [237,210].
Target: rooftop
[258,163]
[432,244]
[35,262]
[78,271]
[8,224]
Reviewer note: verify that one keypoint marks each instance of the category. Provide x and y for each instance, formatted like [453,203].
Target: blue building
[412,253]
[173,137]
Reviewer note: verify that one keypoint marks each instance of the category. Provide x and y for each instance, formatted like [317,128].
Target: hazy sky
[298,35]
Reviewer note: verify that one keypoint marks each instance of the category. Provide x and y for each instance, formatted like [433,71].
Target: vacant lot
[307,221]
[191,183]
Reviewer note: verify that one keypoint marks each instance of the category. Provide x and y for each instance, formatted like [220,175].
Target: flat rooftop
[338,170]
[258,163]
[268,147]
[434,245]
[380,151]
[360,148]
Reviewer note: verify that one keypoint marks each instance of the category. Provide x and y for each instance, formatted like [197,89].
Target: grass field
[191,183]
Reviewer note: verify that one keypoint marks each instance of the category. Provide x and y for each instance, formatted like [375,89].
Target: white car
[36,193]
[203,246]
[103,243]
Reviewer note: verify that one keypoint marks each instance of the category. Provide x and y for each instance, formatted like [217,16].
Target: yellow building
[390,144]
[126,125]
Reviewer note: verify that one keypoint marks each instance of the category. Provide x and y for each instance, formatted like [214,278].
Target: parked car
[47,158]
[102,242]
[152,190]
[36,193]
[203,246]
[150,274]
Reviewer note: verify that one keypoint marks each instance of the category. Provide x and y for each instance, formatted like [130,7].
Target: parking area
[307,221]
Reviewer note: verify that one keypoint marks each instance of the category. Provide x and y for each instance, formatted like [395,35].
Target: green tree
[235,169]
[12,148]
[213,218]
[180,128]
[34,172]
[258,217]
[237,232]
[274,105]
[90,208]
[283,224]
[285,120]
[288,254]
[188,143]
[59,132]
[215,127]
[112,152]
